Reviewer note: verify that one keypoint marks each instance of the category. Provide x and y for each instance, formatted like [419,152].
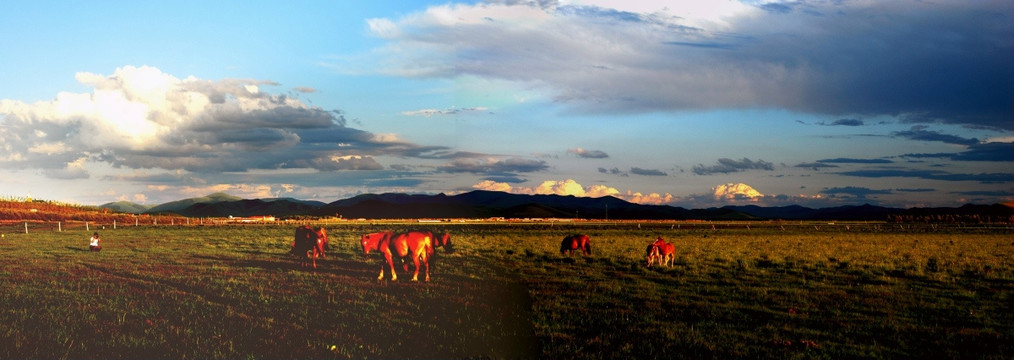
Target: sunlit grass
[232,292]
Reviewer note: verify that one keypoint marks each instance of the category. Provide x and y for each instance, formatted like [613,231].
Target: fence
[30,226]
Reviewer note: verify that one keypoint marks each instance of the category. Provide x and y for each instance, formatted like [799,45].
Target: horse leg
[387,259]
[415,260]
[390,263]
[426,263]
[313,259]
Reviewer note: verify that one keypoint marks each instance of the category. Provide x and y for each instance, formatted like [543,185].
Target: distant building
[252,219]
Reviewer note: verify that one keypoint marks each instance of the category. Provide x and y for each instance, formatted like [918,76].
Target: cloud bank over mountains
[898,58]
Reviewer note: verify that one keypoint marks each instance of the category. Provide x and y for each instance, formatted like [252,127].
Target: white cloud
[601,190]
[735,191]
[436,112]
[651,198]
[490,185]
[562,187]
[573,188]
[142,118]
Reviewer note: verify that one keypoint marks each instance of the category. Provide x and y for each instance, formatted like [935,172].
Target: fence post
[114,224]
[59,226]
[86,227]
[26,227]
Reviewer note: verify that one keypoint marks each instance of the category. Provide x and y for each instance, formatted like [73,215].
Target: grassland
[764,291]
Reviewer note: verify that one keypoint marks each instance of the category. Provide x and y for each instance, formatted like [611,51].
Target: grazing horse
[444,241]
[309,243]
[651,252]
[575,242]
[417,245]
[380,242]
[662,251]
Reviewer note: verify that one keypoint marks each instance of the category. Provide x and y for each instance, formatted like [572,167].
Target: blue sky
[687,103]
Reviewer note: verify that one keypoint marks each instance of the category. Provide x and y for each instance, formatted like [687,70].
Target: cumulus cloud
[562,187]
[588,154]
[573,188]
[736,191]
[726,165]
[142,118]
[491,185]
[922,61]
[648,199]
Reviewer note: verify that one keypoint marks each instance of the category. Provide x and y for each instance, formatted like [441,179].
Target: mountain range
[487,204]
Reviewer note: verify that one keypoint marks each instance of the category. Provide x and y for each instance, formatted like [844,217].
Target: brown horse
[652,254]
[575,242]
[418,245]
[663,252]
[381,242]
[309,243]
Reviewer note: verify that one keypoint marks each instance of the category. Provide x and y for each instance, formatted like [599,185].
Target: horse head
[445,241]
[373,241]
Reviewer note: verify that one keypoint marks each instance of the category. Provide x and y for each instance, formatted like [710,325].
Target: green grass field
[767,291]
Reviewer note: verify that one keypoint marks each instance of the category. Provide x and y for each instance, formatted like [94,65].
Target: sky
[686,103]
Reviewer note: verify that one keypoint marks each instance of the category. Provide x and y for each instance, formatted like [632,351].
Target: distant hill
[486,204]
[965,213]
[255,207]
[483,204]
[796,212]
[126,207]
[177,206]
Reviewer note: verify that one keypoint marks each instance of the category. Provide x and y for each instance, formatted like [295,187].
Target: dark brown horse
[575,242]
[444,241]
[309,243]
[652,253]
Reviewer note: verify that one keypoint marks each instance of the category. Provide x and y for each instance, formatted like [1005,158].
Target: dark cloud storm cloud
[509,165]
[815,165]
[932,175]
[845,122]
[647,172]
[726,165]
[996,151]
[920,61]
[859,192]
[854,161]
[920,133]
